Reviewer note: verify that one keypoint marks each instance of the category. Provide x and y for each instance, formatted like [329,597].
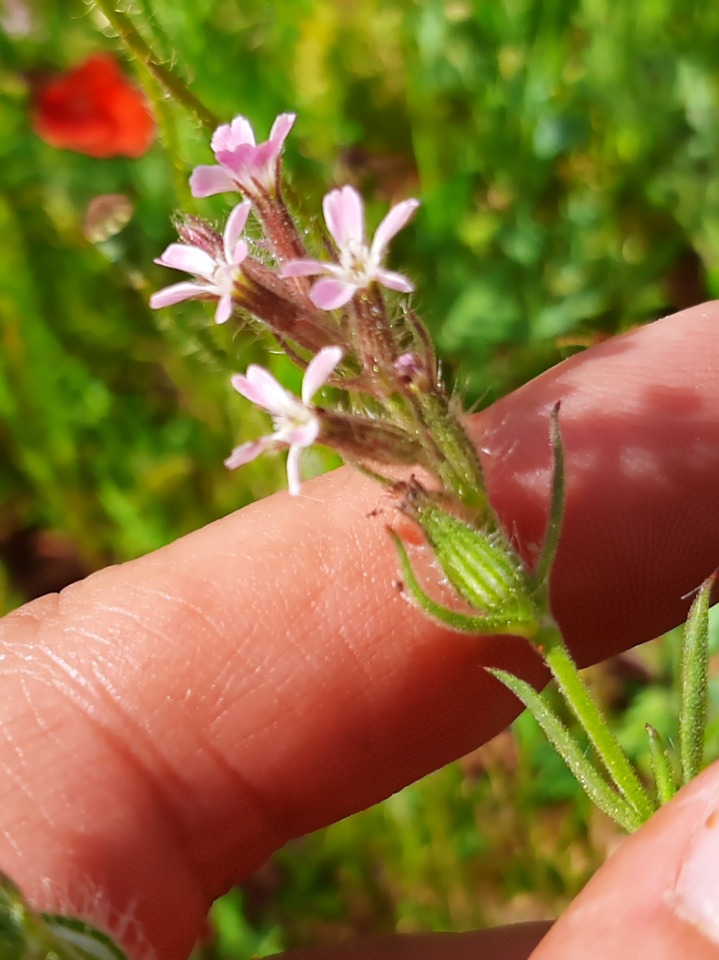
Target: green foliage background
[565,155]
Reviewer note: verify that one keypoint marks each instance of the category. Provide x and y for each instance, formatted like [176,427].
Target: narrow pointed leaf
[693,680]
[594,785]
[556,506]
[661,766]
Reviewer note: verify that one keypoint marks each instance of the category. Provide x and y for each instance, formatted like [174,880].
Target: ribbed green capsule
[480,566]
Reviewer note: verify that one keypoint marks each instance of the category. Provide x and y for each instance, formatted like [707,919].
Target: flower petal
[302,268]
[293,471]
[247,452]
[281,127]
[205,181]
[260,387]
[233,228]
[92,109]
[176,294]
[344,215]
[303,435]
[240,252]
[264,161]
[397,218]
[330,294]
[224,309]
[231,135]
[239,162]
[319,370]
[181,256]
[394,281]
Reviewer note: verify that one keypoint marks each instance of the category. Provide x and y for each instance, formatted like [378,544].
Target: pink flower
[359,265]
[215,269]
[297,424]
[242,165]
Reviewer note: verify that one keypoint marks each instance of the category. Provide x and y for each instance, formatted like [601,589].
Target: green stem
[462,472]
[141,49]
[166,123]
[586,711]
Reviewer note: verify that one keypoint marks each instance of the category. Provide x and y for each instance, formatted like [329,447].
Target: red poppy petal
[93,109]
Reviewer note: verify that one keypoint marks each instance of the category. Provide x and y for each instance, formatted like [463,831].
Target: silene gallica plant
[372,391]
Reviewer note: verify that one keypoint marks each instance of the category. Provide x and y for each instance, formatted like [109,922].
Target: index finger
[172,721]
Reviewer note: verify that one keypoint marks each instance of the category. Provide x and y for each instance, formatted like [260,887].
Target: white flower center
[224,277]
[296,423]
[357,263]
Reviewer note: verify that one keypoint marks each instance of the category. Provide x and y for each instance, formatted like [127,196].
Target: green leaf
[693,680]
[573,753]
[661,766]
[556,507]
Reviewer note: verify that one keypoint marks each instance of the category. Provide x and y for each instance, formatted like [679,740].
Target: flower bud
[365,439]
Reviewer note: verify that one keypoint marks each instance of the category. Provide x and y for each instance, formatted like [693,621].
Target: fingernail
[696,894]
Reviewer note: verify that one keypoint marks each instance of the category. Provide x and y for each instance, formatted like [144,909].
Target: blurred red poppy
[95,110]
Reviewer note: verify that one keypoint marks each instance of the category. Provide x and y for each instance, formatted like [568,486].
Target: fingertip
[658,896]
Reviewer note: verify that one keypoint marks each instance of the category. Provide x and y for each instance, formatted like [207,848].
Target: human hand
[168,723]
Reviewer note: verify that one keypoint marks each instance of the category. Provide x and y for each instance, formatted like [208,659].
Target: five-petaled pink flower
[242,165]
[215,271]
[296,422]
[359,265]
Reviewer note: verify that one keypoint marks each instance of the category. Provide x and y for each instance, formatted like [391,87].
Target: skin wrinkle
[45,726]
[19,778]
[278,706]
[258,808]
[115,736]
[263,807]
[252,800]
[364,665]
[9,775]
[217,627]
[317,601]
[169,782]
[291,814]
[314,601]
[252,622]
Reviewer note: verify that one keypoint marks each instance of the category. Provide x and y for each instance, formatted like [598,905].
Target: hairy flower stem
[577,696]
[372,337]
[409,411]
[461,471]
[140,48]
[280,229]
